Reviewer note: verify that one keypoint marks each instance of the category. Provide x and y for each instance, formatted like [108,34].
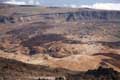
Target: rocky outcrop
[5,19]
[70,16]
[94,15]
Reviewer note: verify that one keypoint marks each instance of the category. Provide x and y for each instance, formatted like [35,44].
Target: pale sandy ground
[76,62]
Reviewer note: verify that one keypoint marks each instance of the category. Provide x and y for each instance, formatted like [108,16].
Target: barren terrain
[78,39]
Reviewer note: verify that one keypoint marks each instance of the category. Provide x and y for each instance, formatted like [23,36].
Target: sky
[98,4]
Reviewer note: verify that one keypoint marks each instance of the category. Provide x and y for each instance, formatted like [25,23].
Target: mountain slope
[14,70]
[75,39]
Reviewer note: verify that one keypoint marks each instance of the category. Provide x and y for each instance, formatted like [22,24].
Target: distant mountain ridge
[81,14]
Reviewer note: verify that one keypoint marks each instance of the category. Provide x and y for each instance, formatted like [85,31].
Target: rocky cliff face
[86,15]
[79,15]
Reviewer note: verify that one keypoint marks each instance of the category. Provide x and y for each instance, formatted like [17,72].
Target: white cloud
[73,6]
[15,2]
[105,6]
[25,2]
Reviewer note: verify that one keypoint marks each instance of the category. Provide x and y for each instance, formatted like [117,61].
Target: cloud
[105,6]
[73,6]
[15,2]
[22,2]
